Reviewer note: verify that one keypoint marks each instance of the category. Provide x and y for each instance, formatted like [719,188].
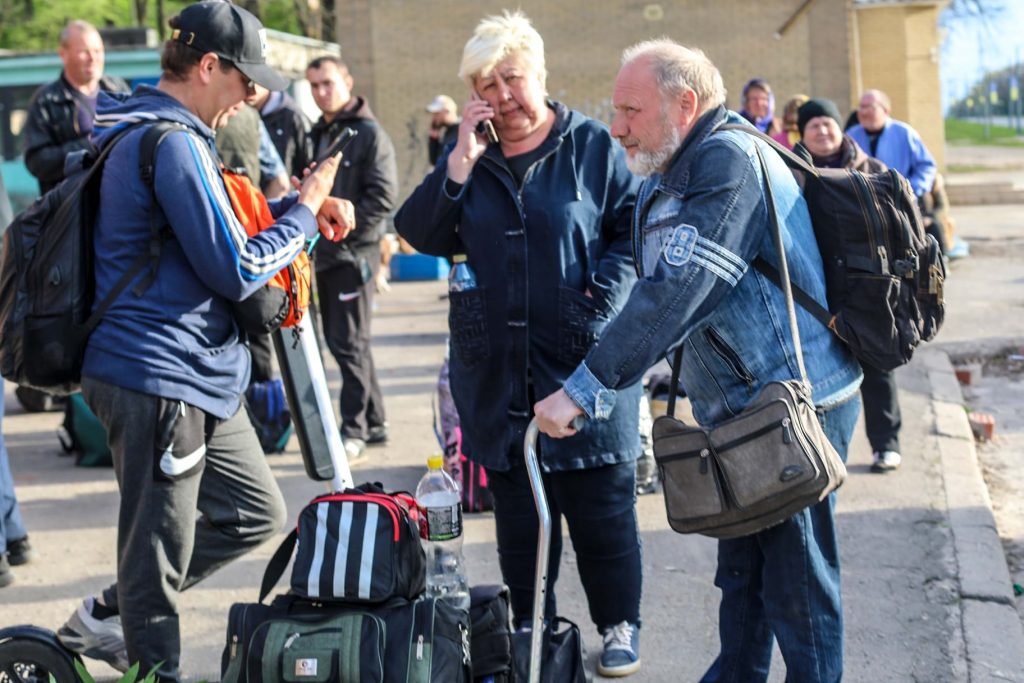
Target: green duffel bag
[82,434]
[293,640]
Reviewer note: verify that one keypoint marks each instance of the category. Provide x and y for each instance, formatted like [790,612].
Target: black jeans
[881,409]
[600,507]
[346,307]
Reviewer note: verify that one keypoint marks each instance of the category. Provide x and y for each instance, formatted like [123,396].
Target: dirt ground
[1000,392]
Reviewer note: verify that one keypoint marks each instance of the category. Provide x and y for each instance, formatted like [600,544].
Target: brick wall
[404,52]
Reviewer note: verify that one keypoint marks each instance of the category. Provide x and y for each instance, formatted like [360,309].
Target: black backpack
[884,274]
[47,282]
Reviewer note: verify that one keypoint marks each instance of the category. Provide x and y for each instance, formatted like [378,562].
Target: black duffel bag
[490,643]
[293,639]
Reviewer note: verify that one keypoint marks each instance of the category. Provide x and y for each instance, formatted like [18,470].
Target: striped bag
[357,546]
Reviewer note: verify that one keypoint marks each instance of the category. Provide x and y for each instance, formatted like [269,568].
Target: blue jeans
[784,583]
[11,526]
[599,505]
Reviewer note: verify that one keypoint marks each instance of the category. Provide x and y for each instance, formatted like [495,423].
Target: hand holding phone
[485,127]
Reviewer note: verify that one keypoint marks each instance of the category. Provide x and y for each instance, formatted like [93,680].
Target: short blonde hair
[678,69]
[497,37]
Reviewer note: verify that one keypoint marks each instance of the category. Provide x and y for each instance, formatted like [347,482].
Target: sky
[973,48]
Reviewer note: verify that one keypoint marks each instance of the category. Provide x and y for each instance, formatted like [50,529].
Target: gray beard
[648,163]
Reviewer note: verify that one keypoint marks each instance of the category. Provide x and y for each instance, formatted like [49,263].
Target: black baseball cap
[232,33]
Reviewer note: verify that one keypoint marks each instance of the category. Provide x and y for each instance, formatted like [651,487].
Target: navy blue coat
[535,251]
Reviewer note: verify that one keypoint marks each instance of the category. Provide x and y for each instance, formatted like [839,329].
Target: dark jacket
[52,131]
[179,340]
[289,129]
[368,177]
[850,155]
[535,251]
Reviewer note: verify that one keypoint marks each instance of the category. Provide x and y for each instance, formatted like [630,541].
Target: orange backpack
[284,299]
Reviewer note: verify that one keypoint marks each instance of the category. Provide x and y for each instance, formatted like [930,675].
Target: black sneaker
[6,575]
[20,552]
[378,434]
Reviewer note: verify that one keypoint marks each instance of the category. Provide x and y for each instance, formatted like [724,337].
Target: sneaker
[378,434]
[93,636]
[355,449]
[621,655]
[886,461]
[20,551]
[6,575]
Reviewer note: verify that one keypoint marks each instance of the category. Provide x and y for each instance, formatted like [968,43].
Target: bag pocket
[580,321]
[764,442]
[690,476]
[866,321]
[345,649]
[467,322]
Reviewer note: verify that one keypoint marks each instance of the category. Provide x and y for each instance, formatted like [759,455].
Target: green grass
[963,132]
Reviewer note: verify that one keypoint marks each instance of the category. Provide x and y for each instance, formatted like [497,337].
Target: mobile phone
[486,128]
[338,145]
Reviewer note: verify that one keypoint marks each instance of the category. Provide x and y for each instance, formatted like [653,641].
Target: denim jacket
[536,250]
[696,230]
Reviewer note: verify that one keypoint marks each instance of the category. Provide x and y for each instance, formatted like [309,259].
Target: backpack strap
[806,301]
[796,162]
[155,133]
[793,160]
[278,563]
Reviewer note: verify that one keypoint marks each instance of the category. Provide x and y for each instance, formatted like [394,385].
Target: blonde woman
[541,207]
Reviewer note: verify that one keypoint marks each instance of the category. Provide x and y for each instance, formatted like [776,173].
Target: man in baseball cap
[231,33]
[165,367]
[444,125]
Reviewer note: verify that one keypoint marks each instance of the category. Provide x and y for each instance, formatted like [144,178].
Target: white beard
[647,163]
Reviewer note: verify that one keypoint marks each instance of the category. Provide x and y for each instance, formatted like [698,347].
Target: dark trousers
[176,529]
[881,409]
[346,306]
[600,507]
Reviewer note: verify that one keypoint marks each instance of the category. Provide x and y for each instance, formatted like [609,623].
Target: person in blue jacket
[164,369]
[702,217]
[543,217]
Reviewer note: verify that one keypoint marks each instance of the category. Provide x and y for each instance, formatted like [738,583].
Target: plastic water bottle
[438,495]
[461,277]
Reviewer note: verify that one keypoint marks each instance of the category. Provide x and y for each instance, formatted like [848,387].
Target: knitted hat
[812,109]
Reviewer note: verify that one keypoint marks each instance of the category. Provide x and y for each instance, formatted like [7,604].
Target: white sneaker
[355,450]
[886,461]
[96,638]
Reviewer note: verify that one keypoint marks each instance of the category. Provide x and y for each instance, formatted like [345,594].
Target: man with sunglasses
[164,369]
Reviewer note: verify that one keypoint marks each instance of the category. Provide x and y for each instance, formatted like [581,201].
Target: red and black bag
[284,299]
[357,546]
[470,476]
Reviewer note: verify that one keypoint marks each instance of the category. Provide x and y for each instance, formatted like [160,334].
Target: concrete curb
[993,633]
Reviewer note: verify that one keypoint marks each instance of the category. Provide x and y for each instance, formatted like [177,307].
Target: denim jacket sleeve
[614,273]
[716,234]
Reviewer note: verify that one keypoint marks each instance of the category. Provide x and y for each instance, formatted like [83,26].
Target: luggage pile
[356,611]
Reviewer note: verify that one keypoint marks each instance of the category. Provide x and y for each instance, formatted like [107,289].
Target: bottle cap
[459,258]
[435,461]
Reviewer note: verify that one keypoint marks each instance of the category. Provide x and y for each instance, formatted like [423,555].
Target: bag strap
[153,136]
[797,162]
[784,283]
[792,159]
[278,563]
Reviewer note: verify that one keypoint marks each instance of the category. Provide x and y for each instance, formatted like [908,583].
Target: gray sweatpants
[184,512]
